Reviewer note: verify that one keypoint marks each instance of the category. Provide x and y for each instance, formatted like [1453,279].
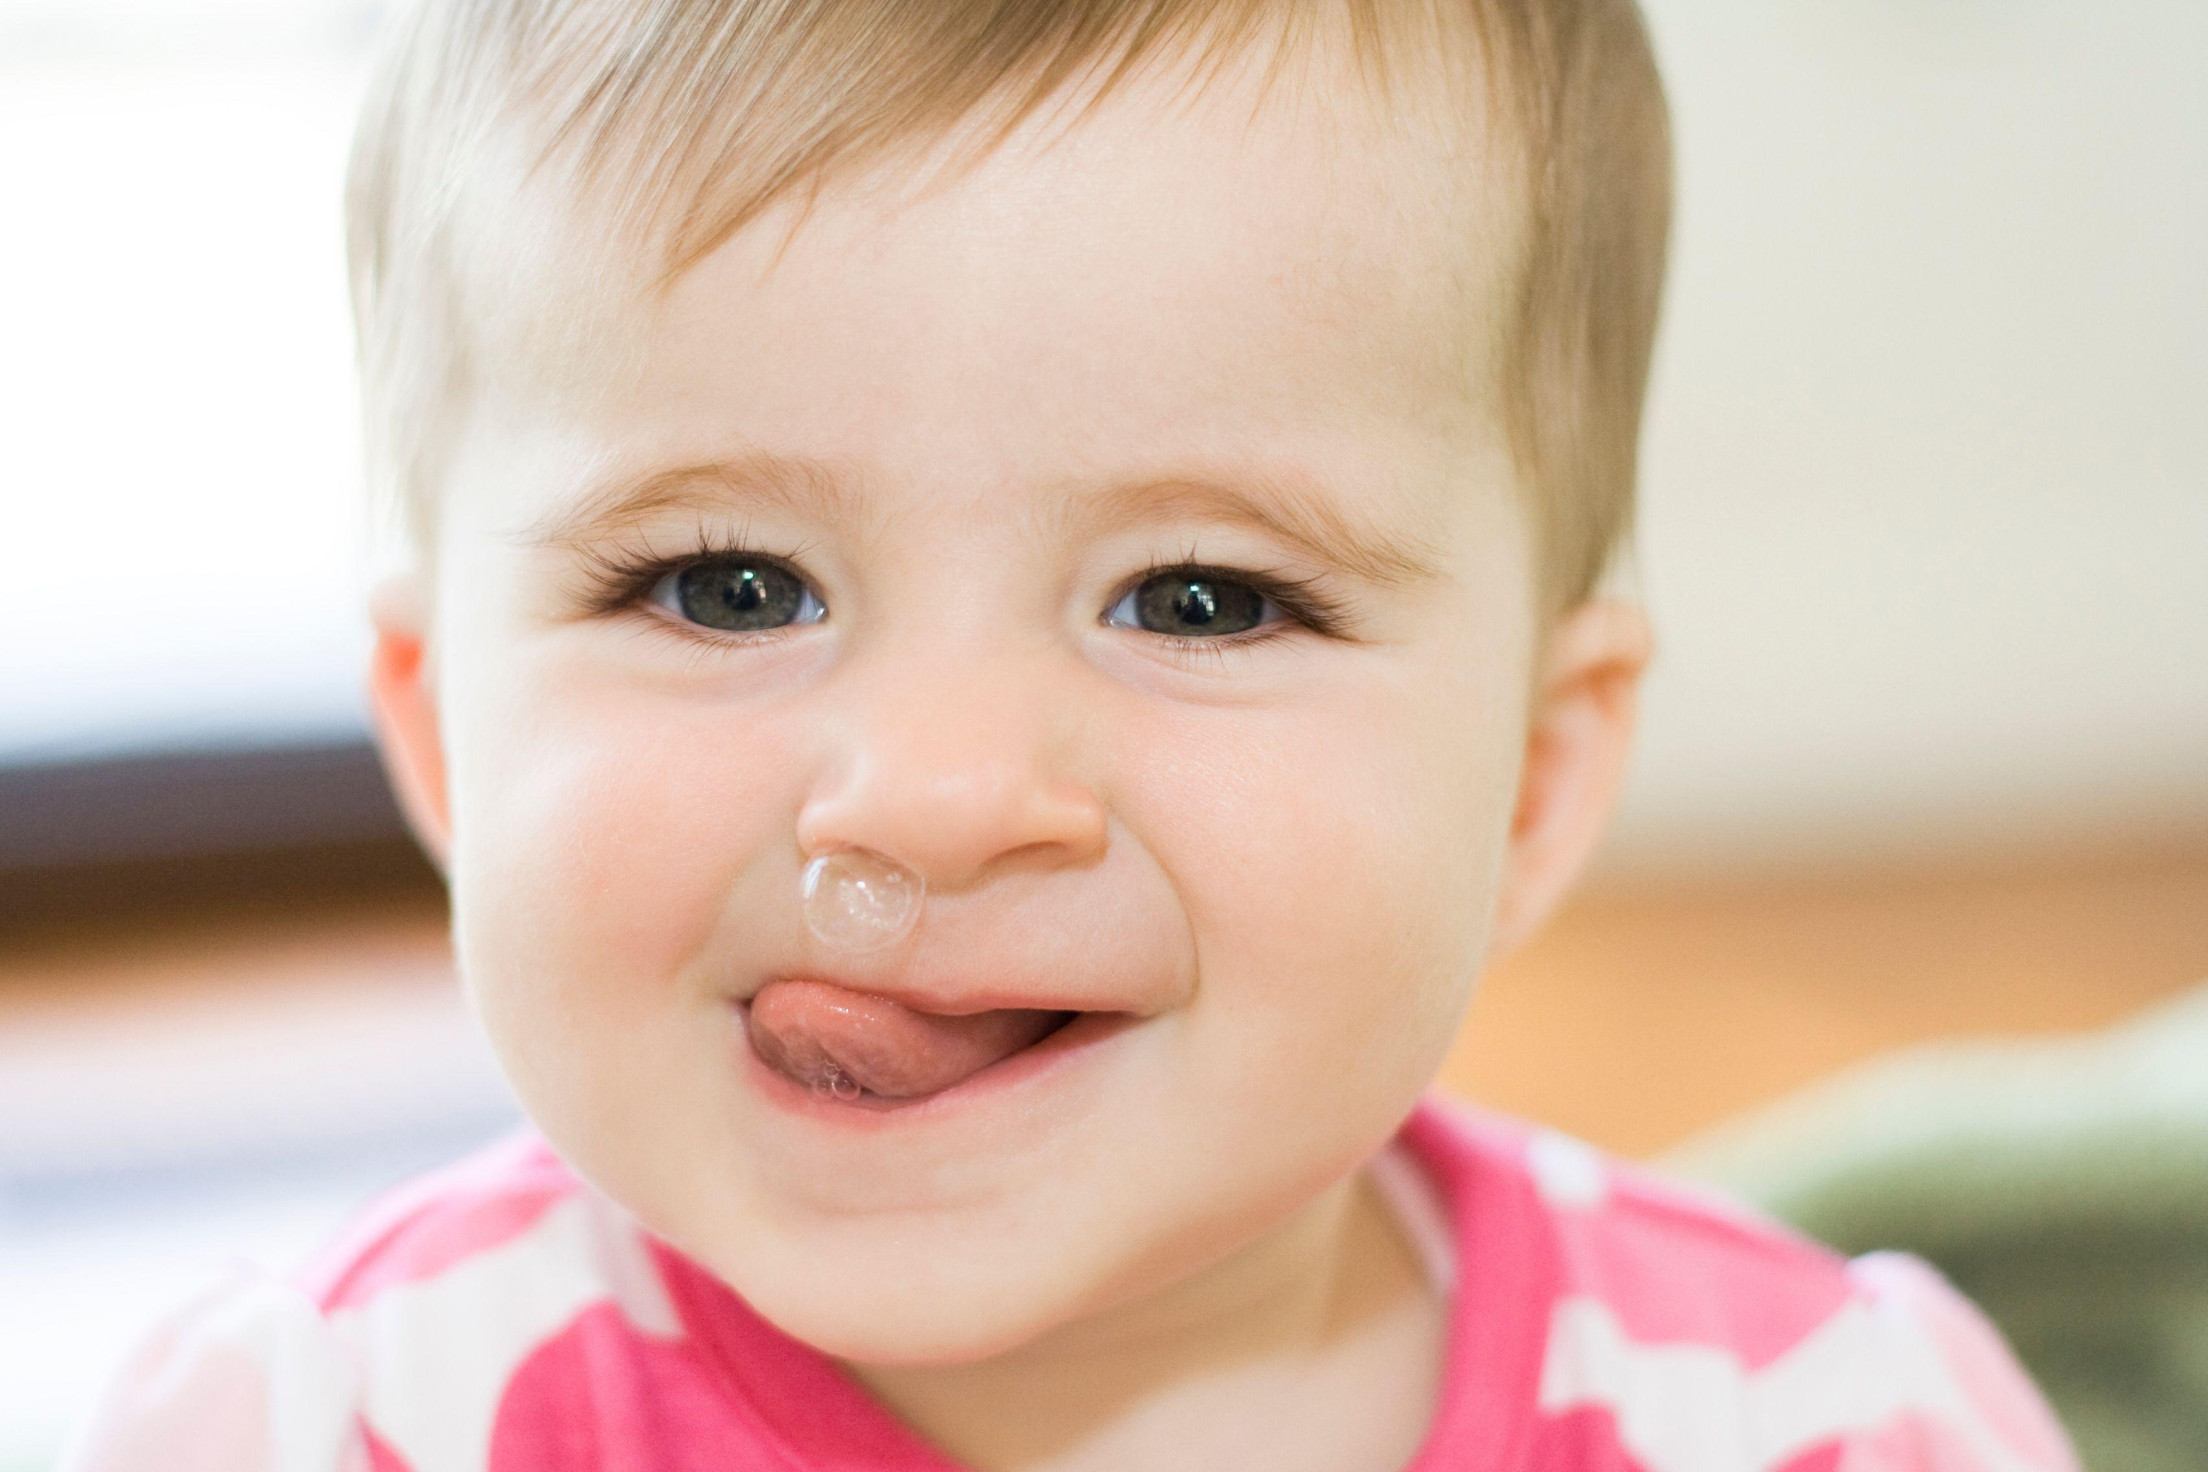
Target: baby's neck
[1317,1349]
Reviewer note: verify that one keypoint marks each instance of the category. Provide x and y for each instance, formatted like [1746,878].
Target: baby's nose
[947,758]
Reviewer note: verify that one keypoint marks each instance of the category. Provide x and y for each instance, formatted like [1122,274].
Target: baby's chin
[901,1309]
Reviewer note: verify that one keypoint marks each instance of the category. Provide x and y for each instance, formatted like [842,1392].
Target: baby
[980,1011]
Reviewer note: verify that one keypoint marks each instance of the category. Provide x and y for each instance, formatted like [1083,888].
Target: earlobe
[1579,735]
[402,700]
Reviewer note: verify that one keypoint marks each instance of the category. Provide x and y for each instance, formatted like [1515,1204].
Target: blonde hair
[681,120]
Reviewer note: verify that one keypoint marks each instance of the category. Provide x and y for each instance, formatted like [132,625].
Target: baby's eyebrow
[760,478]
[1290,508]
[1288,505]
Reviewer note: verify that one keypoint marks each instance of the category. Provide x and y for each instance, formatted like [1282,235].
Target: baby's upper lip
[960,996]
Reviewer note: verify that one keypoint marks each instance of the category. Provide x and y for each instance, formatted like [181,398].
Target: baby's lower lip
[1081,1035]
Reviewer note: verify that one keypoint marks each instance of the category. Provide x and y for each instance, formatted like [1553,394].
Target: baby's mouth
[861,1046]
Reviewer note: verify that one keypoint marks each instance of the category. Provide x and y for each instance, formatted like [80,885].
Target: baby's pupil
[1214,605]
[738,596]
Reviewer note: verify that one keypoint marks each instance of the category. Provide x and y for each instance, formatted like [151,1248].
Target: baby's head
[1179,444]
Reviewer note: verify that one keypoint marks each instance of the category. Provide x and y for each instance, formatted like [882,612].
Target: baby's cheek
[1405,929]
[1344,913]
[601,850]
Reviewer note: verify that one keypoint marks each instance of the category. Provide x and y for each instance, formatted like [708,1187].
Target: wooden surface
[1636,1018]
[1640,1017]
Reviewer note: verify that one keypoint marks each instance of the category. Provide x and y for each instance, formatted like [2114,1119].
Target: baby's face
[1280,845]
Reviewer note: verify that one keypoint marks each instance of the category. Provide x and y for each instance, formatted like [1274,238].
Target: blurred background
[1925,541]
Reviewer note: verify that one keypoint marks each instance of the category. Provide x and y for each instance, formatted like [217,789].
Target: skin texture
[1295,858]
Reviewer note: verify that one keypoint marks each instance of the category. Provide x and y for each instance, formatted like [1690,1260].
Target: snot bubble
[858,900]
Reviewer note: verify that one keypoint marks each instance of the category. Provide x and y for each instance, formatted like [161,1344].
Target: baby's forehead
[1229,228]
[1212,307]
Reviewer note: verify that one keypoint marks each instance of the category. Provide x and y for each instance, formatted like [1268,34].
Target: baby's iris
[738,597]
[1202,601]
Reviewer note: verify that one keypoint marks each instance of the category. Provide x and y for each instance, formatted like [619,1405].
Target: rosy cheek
[612,834]
[1359,914]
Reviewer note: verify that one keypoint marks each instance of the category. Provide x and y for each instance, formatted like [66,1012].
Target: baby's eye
[746,595]
[1199,600]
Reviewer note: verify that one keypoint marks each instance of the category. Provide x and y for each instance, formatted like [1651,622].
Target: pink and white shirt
[501,1314]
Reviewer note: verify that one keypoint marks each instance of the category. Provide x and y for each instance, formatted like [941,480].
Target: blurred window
[181,562]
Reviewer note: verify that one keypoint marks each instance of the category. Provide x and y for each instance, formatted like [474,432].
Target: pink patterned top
[501,1314]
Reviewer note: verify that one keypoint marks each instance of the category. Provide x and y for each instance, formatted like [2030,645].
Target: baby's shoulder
[1678,1323]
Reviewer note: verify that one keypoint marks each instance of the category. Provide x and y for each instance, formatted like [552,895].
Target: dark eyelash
[616,580]
[1302,599]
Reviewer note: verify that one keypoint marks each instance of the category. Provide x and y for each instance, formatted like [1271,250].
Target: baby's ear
[1579,733]
[402,696]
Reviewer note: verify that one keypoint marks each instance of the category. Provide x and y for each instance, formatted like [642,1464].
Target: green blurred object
[2062,1185]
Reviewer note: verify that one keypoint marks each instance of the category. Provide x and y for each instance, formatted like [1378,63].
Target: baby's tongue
[810,1030]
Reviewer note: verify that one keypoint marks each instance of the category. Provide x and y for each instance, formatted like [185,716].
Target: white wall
[179,551]
[1926,491]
